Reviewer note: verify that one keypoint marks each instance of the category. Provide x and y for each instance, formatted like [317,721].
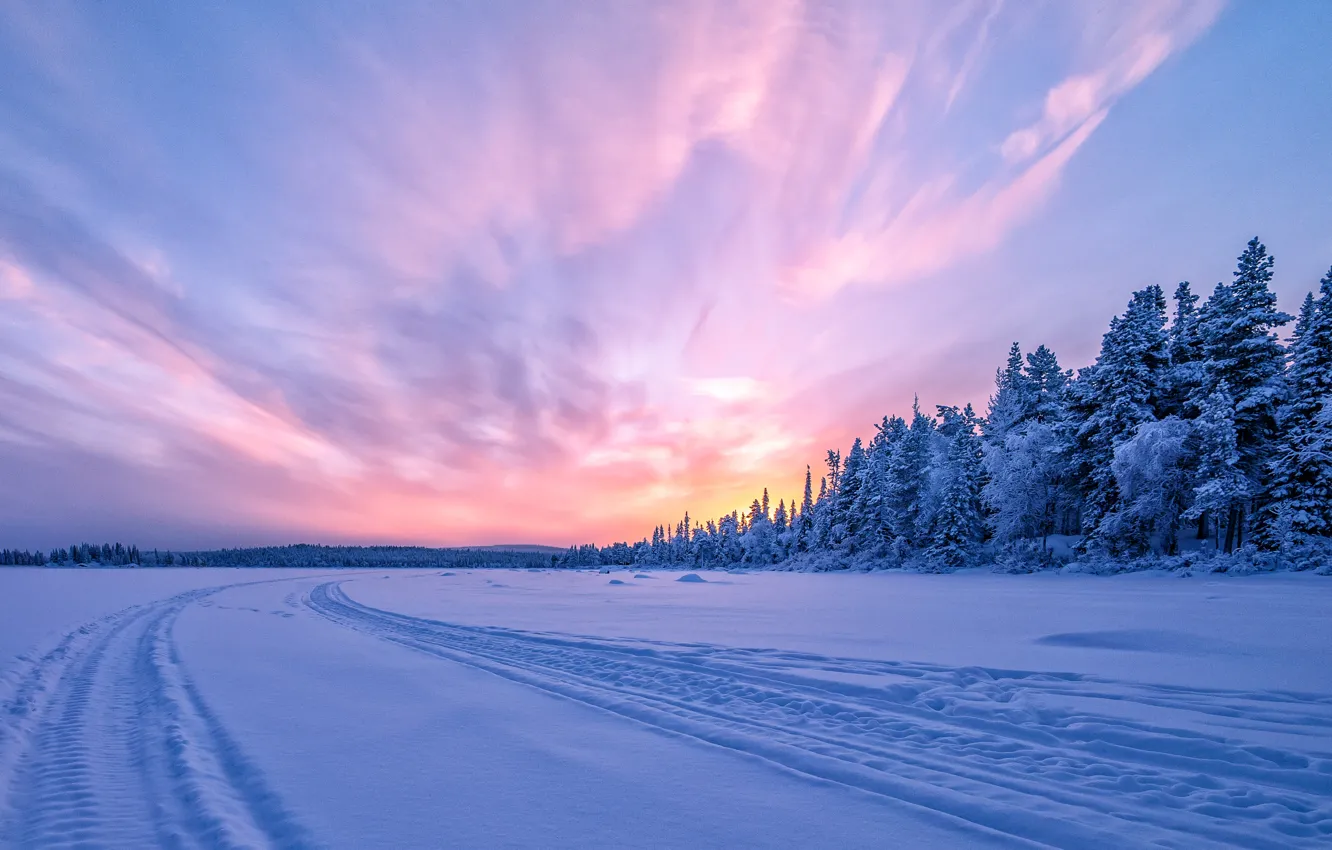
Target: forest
[297,556]
[1198,436]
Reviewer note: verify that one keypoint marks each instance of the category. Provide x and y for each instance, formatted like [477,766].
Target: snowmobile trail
[105,741]
[1054,759]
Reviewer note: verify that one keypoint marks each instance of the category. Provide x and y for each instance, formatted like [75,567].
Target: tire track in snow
[983,746]
[107,742]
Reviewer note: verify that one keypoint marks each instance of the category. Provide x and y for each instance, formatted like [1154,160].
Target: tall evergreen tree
[1013,396]
[958,524]
[1046,384]
[1121,391]
[1238,327]
[844,520]
[805,536]
[1302,466]
[1222,485]
[907,478]
[1188,357]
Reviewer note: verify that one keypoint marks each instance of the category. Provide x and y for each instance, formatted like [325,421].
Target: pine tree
[866,514]
[1152,474]
[1013,397]
[821,515]
[1188,358]
[907,478]
[1121,391]
[1046,384]
[1024,484]
[844,520]
[1222,485]
[1238,325]
[806,533]
[959,523]
[1301,470]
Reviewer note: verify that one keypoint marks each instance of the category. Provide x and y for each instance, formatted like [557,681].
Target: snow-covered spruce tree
[867,515]
[841,526]
[1013,399]
[760,539]
[958,524]
[1111,398]
[1301,470]
[1153,476]
[1047,383]
[1222,487]
[1188,358]
[805,528]
[1023,486]
[1024,454]
[1238,326]
[907,480]
[822,510]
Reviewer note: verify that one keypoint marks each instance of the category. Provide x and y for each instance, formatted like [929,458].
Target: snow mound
[615,581]
[446,575]
[692,577]
[641,575]
[1132,640]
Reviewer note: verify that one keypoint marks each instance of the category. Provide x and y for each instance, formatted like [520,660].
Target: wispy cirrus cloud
[451,272]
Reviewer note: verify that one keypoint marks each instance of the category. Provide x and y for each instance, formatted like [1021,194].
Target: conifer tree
[804,540]
[1222,485]
[844,523]
[1121,391]
[907,478]
[1012,399]
[1046,384]
[1238,327]
[1302,468]
[1188,358]
[958,525]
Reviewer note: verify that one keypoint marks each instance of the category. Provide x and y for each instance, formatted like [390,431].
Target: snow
[507,709]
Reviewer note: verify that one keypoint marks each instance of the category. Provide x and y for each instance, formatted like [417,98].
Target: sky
[455,273]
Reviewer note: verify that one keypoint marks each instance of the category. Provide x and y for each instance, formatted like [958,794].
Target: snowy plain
[497,708]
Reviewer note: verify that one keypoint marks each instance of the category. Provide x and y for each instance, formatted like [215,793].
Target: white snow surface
[253,708]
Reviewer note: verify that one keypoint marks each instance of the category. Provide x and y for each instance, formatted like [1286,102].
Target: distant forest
[1198,437]
[297,556]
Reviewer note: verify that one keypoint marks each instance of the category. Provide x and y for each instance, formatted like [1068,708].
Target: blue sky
[556,272]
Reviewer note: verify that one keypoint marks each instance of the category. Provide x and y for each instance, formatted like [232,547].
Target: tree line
[1196,433]
[104,554]
[298,556]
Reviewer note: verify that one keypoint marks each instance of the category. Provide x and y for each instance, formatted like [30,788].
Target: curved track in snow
[1057,759]
[106,742]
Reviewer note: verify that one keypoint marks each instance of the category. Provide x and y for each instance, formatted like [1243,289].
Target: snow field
[416,709]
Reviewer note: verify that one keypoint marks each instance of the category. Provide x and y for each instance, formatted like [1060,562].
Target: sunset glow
[557,272]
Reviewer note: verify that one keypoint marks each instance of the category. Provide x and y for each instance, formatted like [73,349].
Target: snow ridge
[106,741]
[1039,757]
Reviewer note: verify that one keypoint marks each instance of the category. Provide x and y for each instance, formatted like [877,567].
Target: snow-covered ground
[501,709]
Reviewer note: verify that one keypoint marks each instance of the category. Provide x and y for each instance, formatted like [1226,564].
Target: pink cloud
[552,276]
